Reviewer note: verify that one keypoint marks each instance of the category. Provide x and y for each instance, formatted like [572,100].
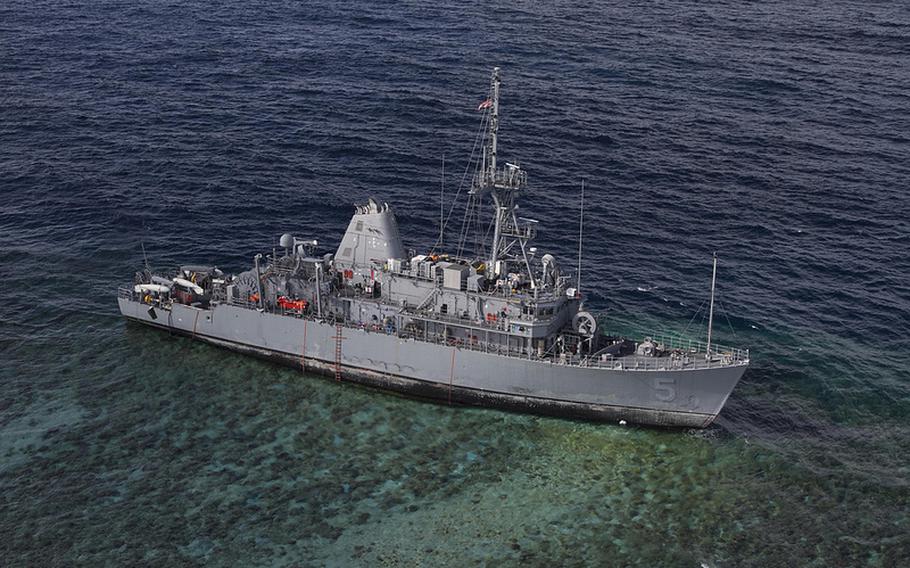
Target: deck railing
[667,341]
[687,354]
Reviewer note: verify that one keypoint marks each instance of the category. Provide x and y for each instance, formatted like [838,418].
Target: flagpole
[581,233]
[442,189]
[711,309]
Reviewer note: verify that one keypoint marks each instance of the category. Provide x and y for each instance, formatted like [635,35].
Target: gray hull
[680,398]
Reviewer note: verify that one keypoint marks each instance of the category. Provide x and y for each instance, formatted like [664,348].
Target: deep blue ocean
[775,133]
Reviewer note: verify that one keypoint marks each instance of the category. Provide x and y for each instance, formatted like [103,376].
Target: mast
[442,198]
[495,82]
[581,234]
[711,309]
[510,234]
[144,256]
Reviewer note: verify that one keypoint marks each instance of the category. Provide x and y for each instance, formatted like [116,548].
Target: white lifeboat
[188,284]
[157,288]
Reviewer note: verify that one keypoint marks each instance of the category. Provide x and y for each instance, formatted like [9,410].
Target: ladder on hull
[338,337]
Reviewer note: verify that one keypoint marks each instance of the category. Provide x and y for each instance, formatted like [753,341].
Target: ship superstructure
[494,326]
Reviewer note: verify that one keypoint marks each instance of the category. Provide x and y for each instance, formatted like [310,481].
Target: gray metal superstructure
[494,326]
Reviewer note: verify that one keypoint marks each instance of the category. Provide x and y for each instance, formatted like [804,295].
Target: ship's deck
[684,354]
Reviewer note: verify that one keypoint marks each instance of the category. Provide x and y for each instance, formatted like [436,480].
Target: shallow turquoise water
[134,446]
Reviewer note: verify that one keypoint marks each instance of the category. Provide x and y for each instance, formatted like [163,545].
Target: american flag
[485,104]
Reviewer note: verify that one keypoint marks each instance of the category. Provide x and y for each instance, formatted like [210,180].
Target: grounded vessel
[492,326]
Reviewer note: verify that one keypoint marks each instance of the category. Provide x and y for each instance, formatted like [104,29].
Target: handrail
[497,325]
[668,341]
[687,354]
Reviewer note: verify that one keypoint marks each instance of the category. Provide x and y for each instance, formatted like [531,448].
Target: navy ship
[492,325]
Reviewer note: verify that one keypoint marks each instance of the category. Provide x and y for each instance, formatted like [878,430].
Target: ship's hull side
[680,398]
